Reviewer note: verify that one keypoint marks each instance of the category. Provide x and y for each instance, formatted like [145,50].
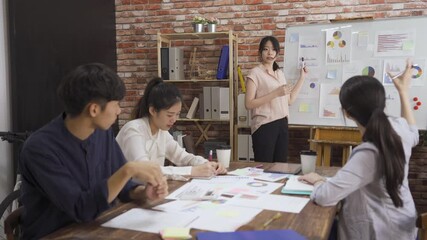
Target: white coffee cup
[308,161]
[223,156]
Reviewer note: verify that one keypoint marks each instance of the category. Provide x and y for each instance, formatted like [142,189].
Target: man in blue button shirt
[72,168]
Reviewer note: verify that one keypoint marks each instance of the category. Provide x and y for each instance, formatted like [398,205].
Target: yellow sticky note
[304,107]
[228,214]
[176,233]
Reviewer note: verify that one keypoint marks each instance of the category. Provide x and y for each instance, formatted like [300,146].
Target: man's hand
[147,172]
[154,194]
[149,193]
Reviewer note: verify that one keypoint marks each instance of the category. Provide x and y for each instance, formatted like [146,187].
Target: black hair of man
[93,82]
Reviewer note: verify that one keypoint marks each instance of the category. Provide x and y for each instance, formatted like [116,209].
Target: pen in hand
[401,73]
[269,221]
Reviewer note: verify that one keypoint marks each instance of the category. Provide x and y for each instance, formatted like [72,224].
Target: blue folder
[223,63]
[251,235]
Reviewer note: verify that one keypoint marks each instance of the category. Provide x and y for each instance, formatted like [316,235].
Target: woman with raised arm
[377,202]
[146,138]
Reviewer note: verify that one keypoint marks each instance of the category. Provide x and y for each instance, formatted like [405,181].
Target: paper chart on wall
[395,43]
[397,66]
[338,45]
[392,99]
[329,105]
[309,49]
[371,68]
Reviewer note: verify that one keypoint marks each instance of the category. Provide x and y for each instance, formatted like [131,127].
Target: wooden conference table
[313,221]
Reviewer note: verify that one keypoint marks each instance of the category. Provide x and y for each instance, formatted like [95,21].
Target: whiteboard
[336,51]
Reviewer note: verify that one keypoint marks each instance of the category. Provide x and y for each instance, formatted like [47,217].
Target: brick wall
[138,22]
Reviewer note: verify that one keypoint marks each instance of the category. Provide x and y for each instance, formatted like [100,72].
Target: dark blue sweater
[65,178]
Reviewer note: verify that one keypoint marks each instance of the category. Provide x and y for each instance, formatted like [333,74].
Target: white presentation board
[337,51]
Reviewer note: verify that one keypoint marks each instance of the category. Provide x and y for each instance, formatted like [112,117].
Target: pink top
[265,83]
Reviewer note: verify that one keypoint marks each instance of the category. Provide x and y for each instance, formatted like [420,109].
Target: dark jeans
[270,141]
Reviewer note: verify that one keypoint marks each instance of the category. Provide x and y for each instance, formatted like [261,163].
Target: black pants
[270,142]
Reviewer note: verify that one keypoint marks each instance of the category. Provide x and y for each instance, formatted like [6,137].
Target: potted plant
[198,23]
[212,22]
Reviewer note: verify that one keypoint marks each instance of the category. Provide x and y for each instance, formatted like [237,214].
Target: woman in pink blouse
[268,97]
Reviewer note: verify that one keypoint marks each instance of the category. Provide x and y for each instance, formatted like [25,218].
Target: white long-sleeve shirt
[368,211]
[138,144]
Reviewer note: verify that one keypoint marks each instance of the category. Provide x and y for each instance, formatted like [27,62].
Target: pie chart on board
[368,71]
[418,72]
[337,34]
[330,44]
[342,43]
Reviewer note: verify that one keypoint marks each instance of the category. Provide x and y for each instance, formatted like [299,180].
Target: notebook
[289,168]
[294,186]
[250,235]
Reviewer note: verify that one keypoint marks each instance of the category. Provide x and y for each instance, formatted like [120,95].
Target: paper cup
[308,161]
[223,156]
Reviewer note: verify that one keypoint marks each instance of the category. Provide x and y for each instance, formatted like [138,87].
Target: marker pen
[210,155]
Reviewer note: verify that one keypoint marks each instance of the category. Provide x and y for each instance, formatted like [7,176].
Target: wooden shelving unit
[167,40]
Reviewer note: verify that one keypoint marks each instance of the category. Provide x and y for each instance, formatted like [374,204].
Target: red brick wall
[138,22]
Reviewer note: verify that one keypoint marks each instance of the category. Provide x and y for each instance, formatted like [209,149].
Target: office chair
[11,222]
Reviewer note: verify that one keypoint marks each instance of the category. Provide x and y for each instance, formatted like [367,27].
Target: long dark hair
[363,98]
[159,95]
[276,47]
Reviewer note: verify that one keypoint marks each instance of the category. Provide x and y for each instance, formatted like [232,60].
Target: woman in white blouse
[373,185]
[146,138]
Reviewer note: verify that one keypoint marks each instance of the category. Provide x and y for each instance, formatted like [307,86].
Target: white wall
[6,164]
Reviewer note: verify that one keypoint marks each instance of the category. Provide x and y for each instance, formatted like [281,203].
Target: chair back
[12,219]
[422,226]
[11,224]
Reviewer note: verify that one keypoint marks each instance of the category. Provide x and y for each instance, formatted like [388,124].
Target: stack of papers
[294,186]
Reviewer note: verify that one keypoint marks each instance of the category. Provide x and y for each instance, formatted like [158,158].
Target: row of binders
[172,63]
[215,103]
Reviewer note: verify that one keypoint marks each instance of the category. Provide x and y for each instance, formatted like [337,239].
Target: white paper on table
[270,202]
[259,174]
[293,184]
[252,186]
[223,218]
[176,206]
[194,191]
[143,220]
[208,189]
[222,180]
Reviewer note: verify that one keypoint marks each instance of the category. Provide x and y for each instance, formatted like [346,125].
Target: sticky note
[304,107]
[408,45]
[230,214]
[176,233]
